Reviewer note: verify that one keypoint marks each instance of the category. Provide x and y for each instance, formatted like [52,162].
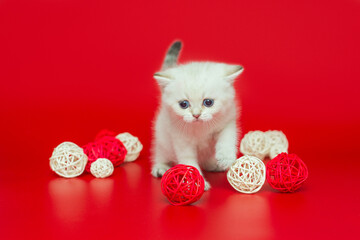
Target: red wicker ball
[182,185]
[286,172]
[106,147]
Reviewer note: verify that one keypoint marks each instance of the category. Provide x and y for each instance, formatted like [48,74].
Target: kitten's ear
[232,72]
[162,79]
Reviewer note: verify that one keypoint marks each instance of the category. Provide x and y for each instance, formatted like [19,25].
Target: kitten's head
[199,91]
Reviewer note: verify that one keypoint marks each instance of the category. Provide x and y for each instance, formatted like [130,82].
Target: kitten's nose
[196,116]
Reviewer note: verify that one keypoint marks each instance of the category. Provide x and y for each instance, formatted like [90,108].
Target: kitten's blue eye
[208,102]
[184,104]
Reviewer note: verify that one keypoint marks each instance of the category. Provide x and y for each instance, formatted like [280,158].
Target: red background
[69,68]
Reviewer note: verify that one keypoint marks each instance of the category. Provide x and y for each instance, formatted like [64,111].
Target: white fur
[210,141]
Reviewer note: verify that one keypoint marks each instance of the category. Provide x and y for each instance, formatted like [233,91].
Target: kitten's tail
[172,55]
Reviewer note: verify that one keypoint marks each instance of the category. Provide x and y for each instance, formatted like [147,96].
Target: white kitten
[196,124]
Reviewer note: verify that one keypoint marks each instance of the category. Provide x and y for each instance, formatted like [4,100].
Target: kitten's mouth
[198,121]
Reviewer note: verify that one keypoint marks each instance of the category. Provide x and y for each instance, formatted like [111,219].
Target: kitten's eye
[184,104]
[208,102]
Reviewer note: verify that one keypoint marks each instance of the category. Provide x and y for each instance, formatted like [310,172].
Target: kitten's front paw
[207,185]
[210,166]
[159,169]
[224,161]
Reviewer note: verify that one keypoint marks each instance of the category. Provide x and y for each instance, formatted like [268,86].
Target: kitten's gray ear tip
[158,75]
[240,69]
[177,44]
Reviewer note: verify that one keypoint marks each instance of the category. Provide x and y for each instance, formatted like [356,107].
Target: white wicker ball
[277,137]
[102,168]
[132,145]
[278,142]
[68,160]
[276,150]
[247,174]
[255,143]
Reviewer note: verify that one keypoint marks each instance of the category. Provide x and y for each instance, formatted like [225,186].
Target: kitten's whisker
[181,124]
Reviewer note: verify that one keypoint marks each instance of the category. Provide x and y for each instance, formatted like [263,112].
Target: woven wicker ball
[277,137]
[255,143]
[102,168]
[68,160]
[132,145]
[278,142]
[182,185]
[276,150]
[286,172]
[247,174]
[106,147]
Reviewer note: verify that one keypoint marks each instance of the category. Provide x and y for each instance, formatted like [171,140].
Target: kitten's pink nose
[196,116]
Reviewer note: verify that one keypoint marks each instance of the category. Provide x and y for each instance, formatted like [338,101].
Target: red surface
[71,68]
